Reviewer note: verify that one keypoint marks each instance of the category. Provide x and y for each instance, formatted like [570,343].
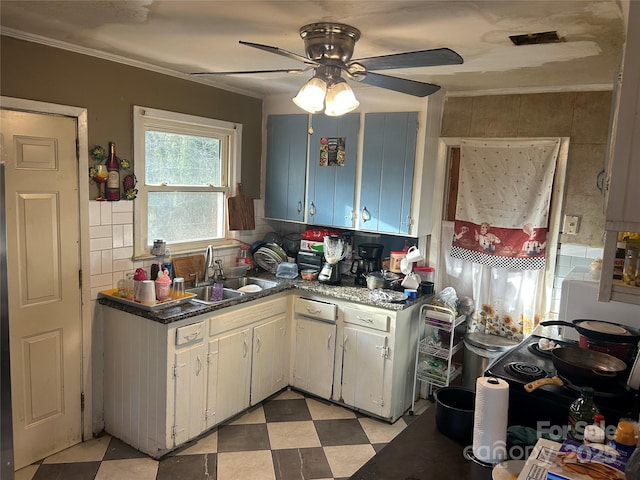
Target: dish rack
[442,332]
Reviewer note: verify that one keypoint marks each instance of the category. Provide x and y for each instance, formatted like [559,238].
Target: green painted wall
[109,90]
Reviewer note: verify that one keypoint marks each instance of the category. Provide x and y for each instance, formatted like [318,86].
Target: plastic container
[427,274]
[287,270]
[394,261]
[163,286]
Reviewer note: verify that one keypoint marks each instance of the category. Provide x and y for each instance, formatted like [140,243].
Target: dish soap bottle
[582,412]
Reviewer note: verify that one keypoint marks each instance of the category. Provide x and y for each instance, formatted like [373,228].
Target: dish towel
[504,192]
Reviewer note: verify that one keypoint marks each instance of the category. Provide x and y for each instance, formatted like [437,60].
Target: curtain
[507,302]
[495,251]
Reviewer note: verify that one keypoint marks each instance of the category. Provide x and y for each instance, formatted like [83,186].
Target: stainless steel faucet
[208,263]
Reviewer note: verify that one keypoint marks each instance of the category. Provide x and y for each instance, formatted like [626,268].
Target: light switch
[570,226]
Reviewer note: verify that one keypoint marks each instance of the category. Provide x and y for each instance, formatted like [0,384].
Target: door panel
[388,163]
[332,188]
[43,262]
[363,369]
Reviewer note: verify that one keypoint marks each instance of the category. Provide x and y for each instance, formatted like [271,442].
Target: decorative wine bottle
[113,182]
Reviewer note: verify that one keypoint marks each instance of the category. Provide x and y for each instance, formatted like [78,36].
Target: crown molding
[50,42]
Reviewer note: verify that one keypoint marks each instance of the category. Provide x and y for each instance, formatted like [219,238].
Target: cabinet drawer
[244,314]
[367,318]
[190,333]
[315,309]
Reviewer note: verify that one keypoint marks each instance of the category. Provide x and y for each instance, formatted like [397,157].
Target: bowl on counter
[309,274]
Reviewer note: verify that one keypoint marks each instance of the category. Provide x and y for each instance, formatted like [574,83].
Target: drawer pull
[314,311]
[198,365]
[191,336]
[364,319]
[329,341]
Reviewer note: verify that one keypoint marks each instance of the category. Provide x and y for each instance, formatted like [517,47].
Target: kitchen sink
[236,283]
[203,294]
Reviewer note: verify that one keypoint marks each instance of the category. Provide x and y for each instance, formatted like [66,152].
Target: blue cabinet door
[388,162]
[332,180]
[286,167]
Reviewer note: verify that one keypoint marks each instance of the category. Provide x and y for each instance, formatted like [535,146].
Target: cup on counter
[414,255]
[411,293]
[178,287]
[411,281]
[148,292]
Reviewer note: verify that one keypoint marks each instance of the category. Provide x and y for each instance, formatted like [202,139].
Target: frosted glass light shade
[311,96]
[340,99]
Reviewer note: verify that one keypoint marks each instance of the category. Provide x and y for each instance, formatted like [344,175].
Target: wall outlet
[570,226]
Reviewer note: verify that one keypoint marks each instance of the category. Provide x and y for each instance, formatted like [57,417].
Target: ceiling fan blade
[420,58]
[402,85]
[280,51]
[246,72]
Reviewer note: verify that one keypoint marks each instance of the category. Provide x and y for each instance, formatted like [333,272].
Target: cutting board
[185,266]
[241,216]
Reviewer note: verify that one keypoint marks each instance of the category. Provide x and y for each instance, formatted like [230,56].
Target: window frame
[144,119]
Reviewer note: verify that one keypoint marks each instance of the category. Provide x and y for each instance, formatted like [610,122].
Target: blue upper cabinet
[286,167]
[332,170]
[388,162]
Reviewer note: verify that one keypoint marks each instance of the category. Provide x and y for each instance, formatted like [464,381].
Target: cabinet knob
[312,209]
[299,206]
[366,216]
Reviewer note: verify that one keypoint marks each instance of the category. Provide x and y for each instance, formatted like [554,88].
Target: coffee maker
[370,260]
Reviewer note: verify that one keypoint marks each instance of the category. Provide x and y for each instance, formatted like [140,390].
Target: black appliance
[330,273]
[550,403]
[307,259]
[370,260]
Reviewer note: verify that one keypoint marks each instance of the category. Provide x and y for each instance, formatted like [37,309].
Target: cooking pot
[582,368]
[375,280]
[455,407]
[605,337]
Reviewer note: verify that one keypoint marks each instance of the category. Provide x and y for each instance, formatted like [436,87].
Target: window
[184,166]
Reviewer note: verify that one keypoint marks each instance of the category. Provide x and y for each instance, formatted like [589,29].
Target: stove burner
[535,348]
[524,370]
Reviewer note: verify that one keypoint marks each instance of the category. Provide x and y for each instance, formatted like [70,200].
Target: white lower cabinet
[313,360]
[270,341]
[165,384]
[377,361]
[190,375]
[234,373]
[363,368]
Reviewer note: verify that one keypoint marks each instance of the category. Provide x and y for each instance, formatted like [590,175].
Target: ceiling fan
[329,48]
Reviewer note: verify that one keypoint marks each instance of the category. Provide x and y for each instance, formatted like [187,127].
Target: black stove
[526,362]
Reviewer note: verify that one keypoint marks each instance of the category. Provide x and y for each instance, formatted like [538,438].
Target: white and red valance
[504,193]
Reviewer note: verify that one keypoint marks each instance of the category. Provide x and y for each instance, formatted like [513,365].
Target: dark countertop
[345,291]
[421,452]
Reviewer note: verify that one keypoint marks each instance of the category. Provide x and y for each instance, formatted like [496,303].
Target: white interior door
[43,257]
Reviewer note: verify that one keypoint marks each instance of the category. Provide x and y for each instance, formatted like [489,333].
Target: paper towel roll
[490,420]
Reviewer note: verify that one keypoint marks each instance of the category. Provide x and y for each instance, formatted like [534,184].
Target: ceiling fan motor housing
[329,41]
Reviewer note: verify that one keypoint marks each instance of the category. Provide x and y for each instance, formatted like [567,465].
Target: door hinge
[80,278]
[380,402]
[176,367]
[384,351]
[82,402]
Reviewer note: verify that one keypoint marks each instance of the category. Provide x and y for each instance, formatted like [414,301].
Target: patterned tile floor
[289,437]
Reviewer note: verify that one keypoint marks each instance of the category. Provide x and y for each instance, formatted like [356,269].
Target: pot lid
[489,342]
[604,327]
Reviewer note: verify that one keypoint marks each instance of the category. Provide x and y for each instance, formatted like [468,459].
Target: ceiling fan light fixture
[311,96]
[340,99]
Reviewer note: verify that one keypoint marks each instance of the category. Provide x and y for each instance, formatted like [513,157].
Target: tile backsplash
[111,243]
[571,255]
